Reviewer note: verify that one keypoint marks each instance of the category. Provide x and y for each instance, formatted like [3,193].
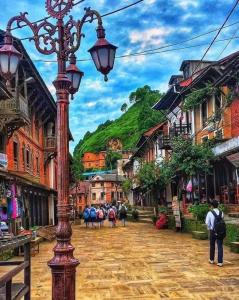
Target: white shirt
[210,218]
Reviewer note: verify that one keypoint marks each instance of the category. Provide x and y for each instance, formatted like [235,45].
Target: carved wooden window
[93,196]
[38,165]
[15,153]
[24,156]
[28,158]
[2,143]
[204,113]
[37,130]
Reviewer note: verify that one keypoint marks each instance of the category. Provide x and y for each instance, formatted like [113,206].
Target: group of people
[96,215]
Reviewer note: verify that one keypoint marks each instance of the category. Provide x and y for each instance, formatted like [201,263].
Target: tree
[139,94]
[124,107]
[127,186]
[154,177]
[191,159]
[77,168]
[111,159]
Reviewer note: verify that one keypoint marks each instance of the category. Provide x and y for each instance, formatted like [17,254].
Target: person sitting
[162,221]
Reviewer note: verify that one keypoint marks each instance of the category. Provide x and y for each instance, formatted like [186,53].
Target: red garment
[161,222]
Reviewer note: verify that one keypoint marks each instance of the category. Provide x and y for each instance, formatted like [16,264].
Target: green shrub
[154,219]
[171,222]
[232,234]
[135,214]
[6,255]
[199,211]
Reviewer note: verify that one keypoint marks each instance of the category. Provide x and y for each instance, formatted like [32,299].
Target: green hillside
[128,127]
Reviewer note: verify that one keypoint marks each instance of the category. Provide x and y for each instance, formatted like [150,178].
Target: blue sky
[150,24]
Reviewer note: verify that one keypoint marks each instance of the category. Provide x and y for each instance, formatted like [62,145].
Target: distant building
[80,195]
[106,188]
[93,161]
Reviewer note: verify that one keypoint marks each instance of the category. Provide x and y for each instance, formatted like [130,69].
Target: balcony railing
[180,130]
[50,143]
[15,106]
[165,142]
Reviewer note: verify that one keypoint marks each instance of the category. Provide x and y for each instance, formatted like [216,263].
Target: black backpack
[219,226]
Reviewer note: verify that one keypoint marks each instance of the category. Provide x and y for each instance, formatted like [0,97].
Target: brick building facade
[27,148]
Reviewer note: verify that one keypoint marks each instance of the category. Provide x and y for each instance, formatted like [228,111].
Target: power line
[228,43]
[146,54]
[205,53]
[102,16]
[219,31]
[187,40]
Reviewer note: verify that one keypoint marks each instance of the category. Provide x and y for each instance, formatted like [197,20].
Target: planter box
[234,247]
[200,235]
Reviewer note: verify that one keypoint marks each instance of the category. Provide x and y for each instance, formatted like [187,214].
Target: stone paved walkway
[138,262]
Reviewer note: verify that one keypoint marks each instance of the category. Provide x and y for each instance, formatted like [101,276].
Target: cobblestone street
[138,262]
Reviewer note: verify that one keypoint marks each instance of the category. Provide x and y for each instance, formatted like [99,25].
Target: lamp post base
[63,269]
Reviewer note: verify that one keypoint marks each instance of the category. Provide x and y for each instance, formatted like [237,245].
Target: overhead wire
[205,53]
[145,54]
[102,16]
[228,43]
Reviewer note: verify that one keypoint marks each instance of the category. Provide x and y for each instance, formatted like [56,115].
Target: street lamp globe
[74,75]
[9,60]
[103,53]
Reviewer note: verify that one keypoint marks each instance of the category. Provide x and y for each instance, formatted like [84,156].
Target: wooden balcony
[50,143]
[14,113]
[180,130]
[165,142]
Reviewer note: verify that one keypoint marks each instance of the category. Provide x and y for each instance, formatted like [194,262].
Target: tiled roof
[109,177]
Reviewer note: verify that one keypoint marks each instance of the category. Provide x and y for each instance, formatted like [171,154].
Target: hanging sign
[3,161]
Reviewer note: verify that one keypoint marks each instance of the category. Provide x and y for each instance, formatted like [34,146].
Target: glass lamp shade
[75,76]
[9,60]
[103,55]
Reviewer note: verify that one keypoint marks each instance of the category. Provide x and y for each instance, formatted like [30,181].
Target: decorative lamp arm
[46,43]
[73,39]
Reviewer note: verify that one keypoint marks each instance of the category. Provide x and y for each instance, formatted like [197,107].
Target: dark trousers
[213,240]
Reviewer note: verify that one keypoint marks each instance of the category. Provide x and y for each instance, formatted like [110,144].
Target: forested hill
[128,127]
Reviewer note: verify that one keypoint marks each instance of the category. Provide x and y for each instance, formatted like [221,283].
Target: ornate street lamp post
[64,39]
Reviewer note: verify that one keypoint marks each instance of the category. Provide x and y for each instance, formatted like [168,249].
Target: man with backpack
[93,216]
[123,214]
[100,216]
[217,229]
[86,216]
[112,216]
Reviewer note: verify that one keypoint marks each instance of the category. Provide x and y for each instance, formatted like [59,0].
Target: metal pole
[63,264]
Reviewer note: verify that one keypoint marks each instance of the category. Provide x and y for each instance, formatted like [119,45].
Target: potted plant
[199,212]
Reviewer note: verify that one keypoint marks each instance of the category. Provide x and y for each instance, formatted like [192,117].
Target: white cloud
[150,37]
[91,104]
[185,4]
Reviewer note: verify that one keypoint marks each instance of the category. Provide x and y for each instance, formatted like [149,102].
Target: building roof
[175,78]
[108,177]
[185,62]
[168,100]
[93,173]
[218,70]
